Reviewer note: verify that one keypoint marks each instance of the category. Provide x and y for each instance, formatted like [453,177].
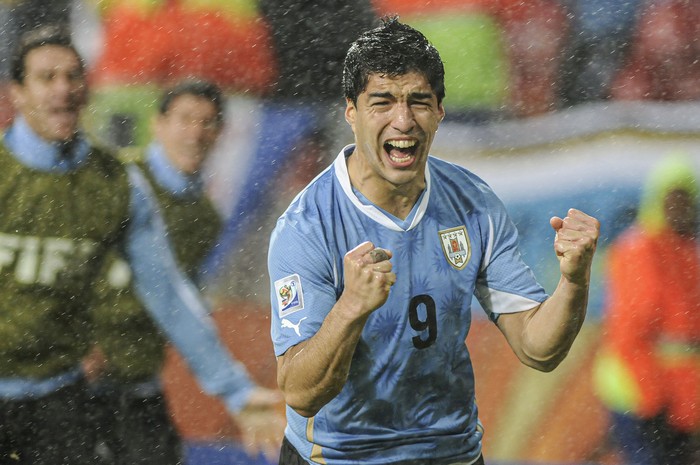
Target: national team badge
[290,298]
[456,246]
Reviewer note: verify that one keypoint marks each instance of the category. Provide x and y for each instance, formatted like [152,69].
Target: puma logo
[288,324]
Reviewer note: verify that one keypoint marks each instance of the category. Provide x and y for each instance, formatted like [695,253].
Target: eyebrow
[381,95]
[412,95]
[422,95]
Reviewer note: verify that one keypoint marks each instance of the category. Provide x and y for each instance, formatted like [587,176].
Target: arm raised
[541,337]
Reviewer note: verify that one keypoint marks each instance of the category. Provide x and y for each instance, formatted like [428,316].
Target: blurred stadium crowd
[504,58]
[280,63]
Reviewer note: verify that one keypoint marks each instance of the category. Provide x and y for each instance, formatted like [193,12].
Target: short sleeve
[505,284]
[304,281]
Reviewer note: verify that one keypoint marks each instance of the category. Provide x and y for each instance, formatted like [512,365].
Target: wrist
[350,309]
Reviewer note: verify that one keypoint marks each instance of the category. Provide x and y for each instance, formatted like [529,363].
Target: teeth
[399,159]
[402,144]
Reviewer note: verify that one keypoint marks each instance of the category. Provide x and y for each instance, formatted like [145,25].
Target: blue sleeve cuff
[236,401]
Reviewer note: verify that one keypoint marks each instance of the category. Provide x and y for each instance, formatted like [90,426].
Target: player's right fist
[368,277]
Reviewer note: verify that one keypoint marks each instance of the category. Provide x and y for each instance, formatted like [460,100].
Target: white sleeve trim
[497,302]
[489,247]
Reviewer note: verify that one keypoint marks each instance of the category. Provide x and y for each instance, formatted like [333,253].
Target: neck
[400,203]
[395,199]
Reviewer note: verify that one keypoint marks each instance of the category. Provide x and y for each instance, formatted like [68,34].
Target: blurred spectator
[130,413]
[17,17]
[648,371]
[664,61]
[596,45]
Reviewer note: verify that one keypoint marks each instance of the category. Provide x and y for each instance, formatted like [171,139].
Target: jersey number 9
[421,325]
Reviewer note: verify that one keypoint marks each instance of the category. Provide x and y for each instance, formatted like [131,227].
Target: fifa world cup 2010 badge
[290,297]
[456,246]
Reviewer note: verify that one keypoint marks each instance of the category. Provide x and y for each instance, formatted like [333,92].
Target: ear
[441,112]
[155,124]
[350,113]
[219,129]
[16,94]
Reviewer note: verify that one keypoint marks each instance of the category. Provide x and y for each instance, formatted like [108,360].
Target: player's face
[394,121]
[53,92]
[188,130]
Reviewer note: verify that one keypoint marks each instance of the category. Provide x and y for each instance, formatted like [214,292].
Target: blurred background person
[67,203]
[131,413]
[16,18]
[648,370]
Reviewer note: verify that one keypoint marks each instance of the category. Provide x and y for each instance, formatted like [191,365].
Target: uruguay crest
[456,246]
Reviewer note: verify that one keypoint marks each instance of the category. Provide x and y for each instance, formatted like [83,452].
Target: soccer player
[373,267]
[66,203]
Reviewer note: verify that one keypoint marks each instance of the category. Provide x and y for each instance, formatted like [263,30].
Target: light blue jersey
[410,391]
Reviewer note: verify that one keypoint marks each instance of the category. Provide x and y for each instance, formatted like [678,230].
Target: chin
[403,180]
[64,134]
[60,137]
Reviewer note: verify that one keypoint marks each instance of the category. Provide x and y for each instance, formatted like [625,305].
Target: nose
[403,120]
[66,84]
[62,83]
[197,130]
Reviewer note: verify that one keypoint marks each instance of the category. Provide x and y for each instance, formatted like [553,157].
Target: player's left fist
[575,241]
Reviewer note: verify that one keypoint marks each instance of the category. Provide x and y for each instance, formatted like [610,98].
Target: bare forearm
[543,336]
[313,372]
[550,331]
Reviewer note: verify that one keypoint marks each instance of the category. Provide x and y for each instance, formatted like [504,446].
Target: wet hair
[198,88]
[36,38]
[392,49]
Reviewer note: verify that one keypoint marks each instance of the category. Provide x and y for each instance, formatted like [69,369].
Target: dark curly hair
[46,35]
[198,88]
[392,49]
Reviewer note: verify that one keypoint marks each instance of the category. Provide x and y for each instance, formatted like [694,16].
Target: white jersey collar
[341,172]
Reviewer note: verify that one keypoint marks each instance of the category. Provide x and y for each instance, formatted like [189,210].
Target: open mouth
[63,112]
[401,151]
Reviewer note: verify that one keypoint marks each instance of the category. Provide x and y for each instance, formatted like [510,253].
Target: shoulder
[457,182]
[132,155]
[313,202]
[106,160]
[453,174]
[633,244]
[633,238]
[303,224]
[6,157]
